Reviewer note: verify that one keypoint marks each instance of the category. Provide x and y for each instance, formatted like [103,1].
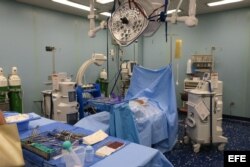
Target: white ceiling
[202,8]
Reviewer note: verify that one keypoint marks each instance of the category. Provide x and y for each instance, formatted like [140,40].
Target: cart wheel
[221,147]
[196,148]
[186,139]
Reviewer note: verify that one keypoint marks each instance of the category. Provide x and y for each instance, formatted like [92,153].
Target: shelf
[202,62]
[202,59]
[202,70]
[190,84]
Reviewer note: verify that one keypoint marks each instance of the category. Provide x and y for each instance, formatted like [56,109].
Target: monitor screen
[131,67]
[72,96]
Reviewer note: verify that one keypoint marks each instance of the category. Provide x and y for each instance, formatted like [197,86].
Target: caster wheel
[196,148]
[221,147]
[186,139]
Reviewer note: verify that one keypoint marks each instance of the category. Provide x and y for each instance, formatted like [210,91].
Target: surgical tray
[49,144]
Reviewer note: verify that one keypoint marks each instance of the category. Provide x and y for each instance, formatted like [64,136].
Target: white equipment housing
[3,79]
[60,103]
[14,79]
[103,74]
[127,68]
[57,78]
[126,73]
[4,99]
[64,103]
[204,117]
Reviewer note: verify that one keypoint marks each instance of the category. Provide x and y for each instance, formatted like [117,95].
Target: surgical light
[223,2]
[135,18]
[104,1]
[72,4]
[129,21]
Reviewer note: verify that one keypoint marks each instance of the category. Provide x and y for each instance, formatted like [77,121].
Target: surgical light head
[128,22]
[134,18]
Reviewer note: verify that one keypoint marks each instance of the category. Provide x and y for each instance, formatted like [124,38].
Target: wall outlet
[112,52]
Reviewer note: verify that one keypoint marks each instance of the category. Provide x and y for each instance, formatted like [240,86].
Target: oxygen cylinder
[15,91]
[103,82]
[4,100]
[103,74]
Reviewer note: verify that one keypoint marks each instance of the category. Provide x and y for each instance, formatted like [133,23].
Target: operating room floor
[238,135]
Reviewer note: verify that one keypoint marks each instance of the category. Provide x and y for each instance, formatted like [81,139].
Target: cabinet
[203,63]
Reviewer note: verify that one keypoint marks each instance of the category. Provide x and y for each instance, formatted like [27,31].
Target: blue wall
[229,32]
[25,33]
[26,30]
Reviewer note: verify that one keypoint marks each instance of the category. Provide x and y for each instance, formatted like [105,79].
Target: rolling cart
[204,117]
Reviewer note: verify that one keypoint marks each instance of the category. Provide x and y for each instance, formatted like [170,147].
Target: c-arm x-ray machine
[97,59]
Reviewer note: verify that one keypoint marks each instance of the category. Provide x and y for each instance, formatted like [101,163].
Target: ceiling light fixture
[106,14]
[104,1]
[72,4]
[172,11]
[223,2]
[168,12]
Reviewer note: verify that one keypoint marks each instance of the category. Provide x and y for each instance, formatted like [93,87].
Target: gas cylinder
[4,100]
[15,91]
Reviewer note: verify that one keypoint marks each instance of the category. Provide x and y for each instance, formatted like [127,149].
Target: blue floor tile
[182,155]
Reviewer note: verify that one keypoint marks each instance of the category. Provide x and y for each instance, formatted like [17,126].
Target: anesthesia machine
[60,102]
[204,117]
[64,102]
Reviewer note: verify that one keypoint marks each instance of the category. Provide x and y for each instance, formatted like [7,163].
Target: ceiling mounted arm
[92,16]
[189,20]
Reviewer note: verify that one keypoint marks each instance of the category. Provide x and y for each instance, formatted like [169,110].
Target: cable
[166,23]
[51,106]
[107,53]
[162,17]
[114,76]
[116,81]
